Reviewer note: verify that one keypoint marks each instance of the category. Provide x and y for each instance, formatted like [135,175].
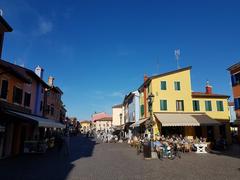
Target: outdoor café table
[201,147]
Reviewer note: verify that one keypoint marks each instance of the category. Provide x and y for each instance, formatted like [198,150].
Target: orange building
[235,77]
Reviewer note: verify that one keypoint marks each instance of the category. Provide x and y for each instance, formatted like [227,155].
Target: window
[180,105]
[17,95]
[235,79]
[142,110]
[27,99]
[52,110]
[41,106]
[219,106]
[4,89]
[163,105]
[208,105]
[237,103]
[48,109]
[177,86]
[163,85]
[196,106]
[148,88]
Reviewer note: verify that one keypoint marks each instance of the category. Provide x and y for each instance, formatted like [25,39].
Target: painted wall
[220,115]
[116,116]
[170,94]
[103,125]
[55,99]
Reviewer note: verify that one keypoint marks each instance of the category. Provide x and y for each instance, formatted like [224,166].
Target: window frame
[177,86]
[206,105]
[163,105]
[178,102]
[18,100]
[27,104]
[161,85]
[6,93]
[198,102]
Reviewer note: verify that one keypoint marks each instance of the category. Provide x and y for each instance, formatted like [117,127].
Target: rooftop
[20,72]
[117,106]
[5,25]
[163,74]
[235,66]
[203,94]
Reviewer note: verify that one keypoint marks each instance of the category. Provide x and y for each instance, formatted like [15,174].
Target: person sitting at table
[159,148]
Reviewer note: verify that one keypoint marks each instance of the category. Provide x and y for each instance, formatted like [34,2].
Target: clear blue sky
[99,50]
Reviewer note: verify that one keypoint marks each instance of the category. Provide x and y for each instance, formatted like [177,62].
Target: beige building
[103,124]
[85,126]
[117,115]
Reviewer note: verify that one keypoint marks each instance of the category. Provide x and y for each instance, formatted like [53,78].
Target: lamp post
[120,115]
[150,122]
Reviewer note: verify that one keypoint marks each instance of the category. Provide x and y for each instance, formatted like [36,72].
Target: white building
[103,124]
[117,115]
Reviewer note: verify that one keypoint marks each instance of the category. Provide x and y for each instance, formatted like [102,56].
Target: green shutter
[163,85]
[177,86]
[219,106]
[208,105]
[142,110]
[196,106]
[163,105]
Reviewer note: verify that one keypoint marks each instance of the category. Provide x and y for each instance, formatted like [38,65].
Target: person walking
[66,144]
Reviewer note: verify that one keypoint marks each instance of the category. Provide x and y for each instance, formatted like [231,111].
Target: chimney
[50,81]
[145,77]
[39,71]
[208,88]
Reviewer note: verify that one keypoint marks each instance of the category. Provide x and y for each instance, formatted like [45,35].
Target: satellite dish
[1,12]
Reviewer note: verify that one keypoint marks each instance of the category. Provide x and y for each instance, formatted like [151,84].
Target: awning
[185,119]
[2,129]
[42,122]
[119,127]
[136,124]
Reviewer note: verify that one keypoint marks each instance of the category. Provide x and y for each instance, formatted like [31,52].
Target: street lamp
[150,122]
[120,115]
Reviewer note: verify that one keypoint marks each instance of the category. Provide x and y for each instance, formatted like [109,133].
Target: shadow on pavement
[51,165]
[232,151]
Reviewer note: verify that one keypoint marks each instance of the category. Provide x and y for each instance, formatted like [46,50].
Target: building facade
[103,124]
[235,79]
[85,126]
[175,105]
[117,115]
[53,106]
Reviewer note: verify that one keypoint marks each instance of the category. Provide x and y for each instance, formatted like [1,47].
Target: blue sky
[98,51]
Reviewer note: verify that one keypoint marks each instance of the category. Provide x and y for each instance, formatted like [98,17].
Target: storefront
[18,128]
[187,124]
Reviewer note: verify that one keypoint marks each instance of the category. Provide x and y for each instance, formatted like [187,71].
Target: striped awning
[136,124]
[2,128]
[42,122]
[185,119]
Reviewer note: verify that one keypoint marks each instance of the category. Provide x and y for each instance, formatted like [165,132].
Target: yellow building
[178,110]
[85,126]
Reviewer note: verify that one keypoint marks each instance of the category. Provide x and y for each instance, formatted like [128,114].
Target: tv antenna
[177,55]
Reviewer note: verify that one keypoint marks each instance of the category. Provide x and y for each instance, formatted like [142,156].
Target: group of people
[164,144]
[106,137]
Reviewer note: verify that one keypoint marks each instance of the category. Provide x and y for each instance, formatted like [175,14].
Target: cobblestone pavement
[90,160]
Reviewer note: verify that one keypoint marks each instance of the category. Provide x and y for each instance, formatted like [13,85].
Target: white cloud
[45,27]
[116,94]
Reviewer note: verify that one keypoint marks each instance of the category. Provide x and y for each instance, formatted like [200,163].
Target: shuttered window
[163,105]
[208,105]
[177,86]
[17,95]
[220,106]
[27,99]
[4,89]
[163,85]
